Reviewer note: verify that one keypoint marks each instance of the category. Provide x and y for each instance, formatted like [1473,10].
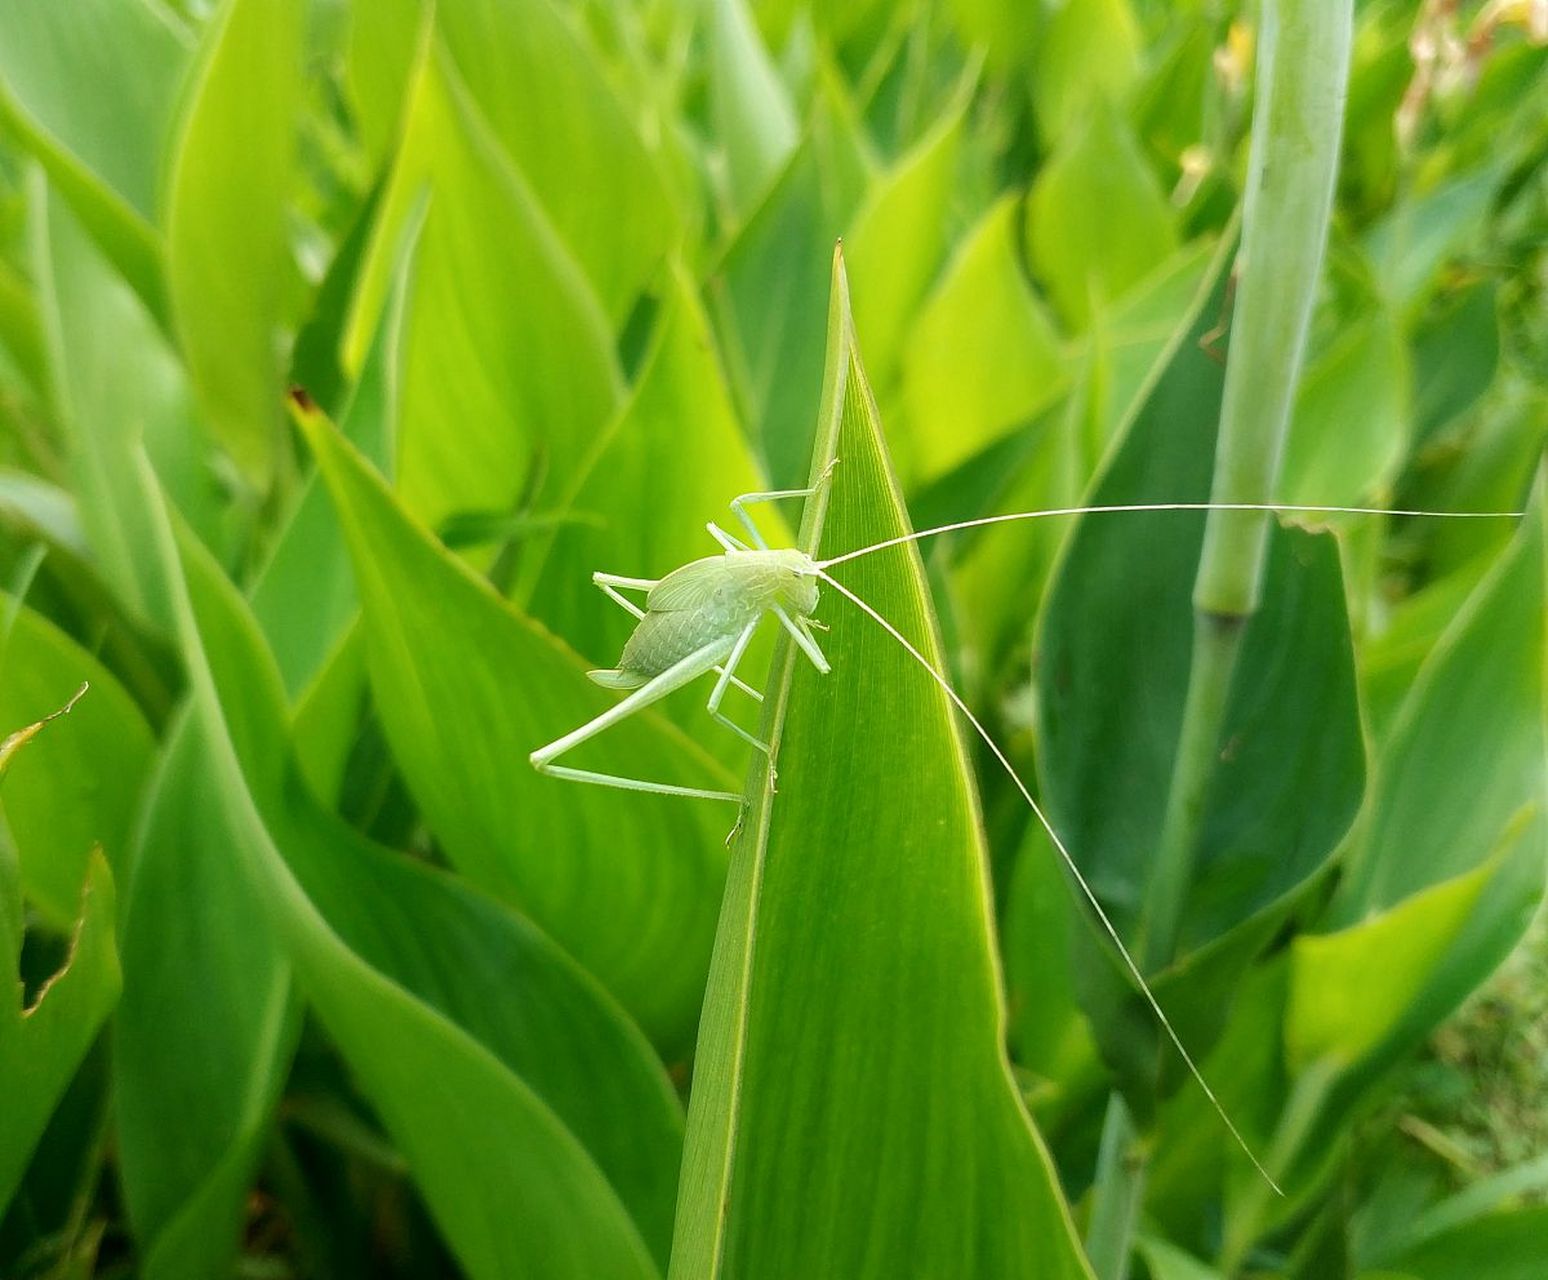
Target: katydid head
[798,581]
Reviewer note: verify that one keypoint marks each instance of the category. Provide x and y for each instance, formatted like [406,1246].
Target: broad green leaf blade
[551,114]
[493,385]
[1449,856]
[1410,245]
[1366,996]
[77,787]
[103,146]
[305,596]
[205,1031]
[1112,659]
[570,137]
[1350,428]
[478,964]
[1008,29]
[770,289]
[1089,56]
[1097,221]
[898,237]
[1469,748]
[21,331]
[133,56]
[983,357]
[42,1045]
[515,1191]
[1111,665]
[226,204]
[116,387]
[1350,989]
[753,118]
[851,1069]
[466,689]
[1502,1246]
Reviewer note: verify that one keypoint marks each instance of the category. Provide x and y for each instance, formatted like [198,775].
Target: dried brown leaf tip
[21,737]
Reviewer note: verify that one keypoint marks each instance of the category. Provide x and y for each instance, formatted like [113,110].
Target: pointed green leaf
[983,356]
[226,205]
[204,1035]
[851,1066]
[754,121]
[551,114]
[478,1094]
[493,385]
[898,237]
[1112,661]
[1350,425]
[117,387]
[1089,55]
[1470,746]
[104,148]
[466,689]
[1111,665]
[1097,221]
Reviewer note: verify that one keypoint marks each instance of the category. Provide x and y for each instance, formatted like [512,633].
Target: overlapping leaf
[496,392]
[226,204]
[1112,664]
[77,787]
[536,1121]
[44,1038]
[466,689]
[105,149]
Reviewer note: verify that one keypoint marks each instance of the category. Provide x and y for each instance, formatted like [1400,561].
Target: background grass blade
[810,1149]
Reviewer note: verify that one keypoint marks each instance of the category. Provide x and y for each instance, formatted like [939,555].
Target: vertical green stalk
[1118,1191]
[1303,65]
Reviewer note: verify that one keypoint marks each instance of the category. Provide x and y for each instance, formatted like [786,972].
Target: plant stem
[1303,65]
[1245,1220]
[1303,71]
[1116,1194]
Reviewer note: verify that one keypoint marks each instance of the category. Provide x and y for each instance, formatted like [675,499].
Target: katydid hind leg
[674,677]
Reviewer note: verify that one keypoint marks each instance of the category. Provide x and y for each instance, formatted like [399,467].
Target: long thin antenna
[1284,508]
[1064,853]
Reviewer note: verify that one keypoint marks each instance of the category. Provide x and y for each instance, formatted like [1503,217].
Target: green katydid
[701,617]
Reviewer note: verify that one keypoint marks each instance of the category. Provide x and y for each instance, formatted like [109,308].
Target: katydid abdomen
[710,600]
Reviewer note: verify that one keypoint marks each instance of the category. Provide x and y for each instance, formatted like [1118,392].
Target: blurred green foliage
[308,974]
